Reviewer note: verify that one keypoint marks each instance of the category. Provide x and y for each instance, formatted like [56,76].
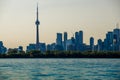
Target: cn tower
[37,30]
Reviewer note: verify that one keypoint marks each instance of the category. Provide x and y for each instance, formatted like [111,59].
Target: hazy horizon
[93,17]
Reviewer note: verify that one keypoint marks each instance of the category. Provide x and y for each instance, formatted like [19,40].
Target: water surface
[60,69]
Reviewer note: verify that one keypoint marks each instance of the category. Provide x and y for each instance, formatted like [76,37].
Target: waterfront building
[116,34]
[49,48]
[2,48]
[81,41]
[91,43]
[109,41]
[99,45]
[59,39]
[80,37]
[42,47]
[76,40]
[59,43]
[65,39]
[31,47]
[69,44]
[20,48]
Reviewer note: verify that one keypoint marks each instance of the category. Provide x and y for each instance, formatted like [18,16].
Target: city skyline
[76,43]
[23,32]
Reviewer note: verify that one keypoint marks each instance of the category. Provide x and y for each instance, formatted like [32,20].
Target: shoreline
[60,54]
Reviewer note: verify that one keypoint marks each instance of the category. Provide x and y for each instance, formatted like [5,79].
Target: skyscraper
[59,45]
[80,37]
[109,41]
[59,39]
[99,46]
[76,37]
[65,39]
[2,48]
[81,41]
[77,40]
[92,44]
[37,30]
[116,37]
[65,36]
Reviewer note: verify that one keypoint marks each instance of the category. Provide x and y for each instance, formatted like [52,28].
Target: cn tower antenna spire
[37,30]
[37,12]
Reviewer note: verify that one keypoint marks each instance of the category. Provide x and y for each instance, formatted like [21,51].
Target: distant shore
[60,54]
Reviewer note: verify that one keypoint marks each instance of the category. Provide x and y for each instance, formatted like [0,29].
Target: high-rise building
[37,31]
[109,41]
[65,39]
[80,37]
[65,36]
[76,37]
[2,48]
[91,43]
[99,46]
[81,48]
[116,34]
[59,44]
[116,41]
[76,40]
[59,39]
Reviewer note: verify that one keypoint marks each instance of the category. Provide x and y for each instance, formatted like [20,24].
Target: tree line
[59,54]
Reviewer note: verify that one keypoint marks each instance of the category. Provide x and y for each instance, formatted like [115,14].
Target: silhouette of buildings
[91,44]
[59,39]
[20,48]
[59,44]
[100,45]
[2,48]
[116,39]
[38,46]
[51,47]
[42,47]
[76,43]
[31,47]
[16,50]
[65,39]
[80,38]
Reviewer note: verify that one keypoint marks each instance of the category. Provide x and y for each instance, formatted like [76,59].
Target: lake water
[60,69]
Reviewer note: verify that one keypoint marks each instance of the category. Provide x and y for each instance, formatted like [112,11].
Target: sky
[94,17]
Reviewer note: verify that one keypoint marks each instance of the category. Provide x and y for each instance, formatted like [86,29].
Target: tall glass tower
[37,30]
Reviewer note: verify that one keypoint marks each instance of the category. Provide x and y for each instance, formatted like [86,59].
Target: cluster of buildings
[75,43]
[110,43]
[40,46]
[4,50]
